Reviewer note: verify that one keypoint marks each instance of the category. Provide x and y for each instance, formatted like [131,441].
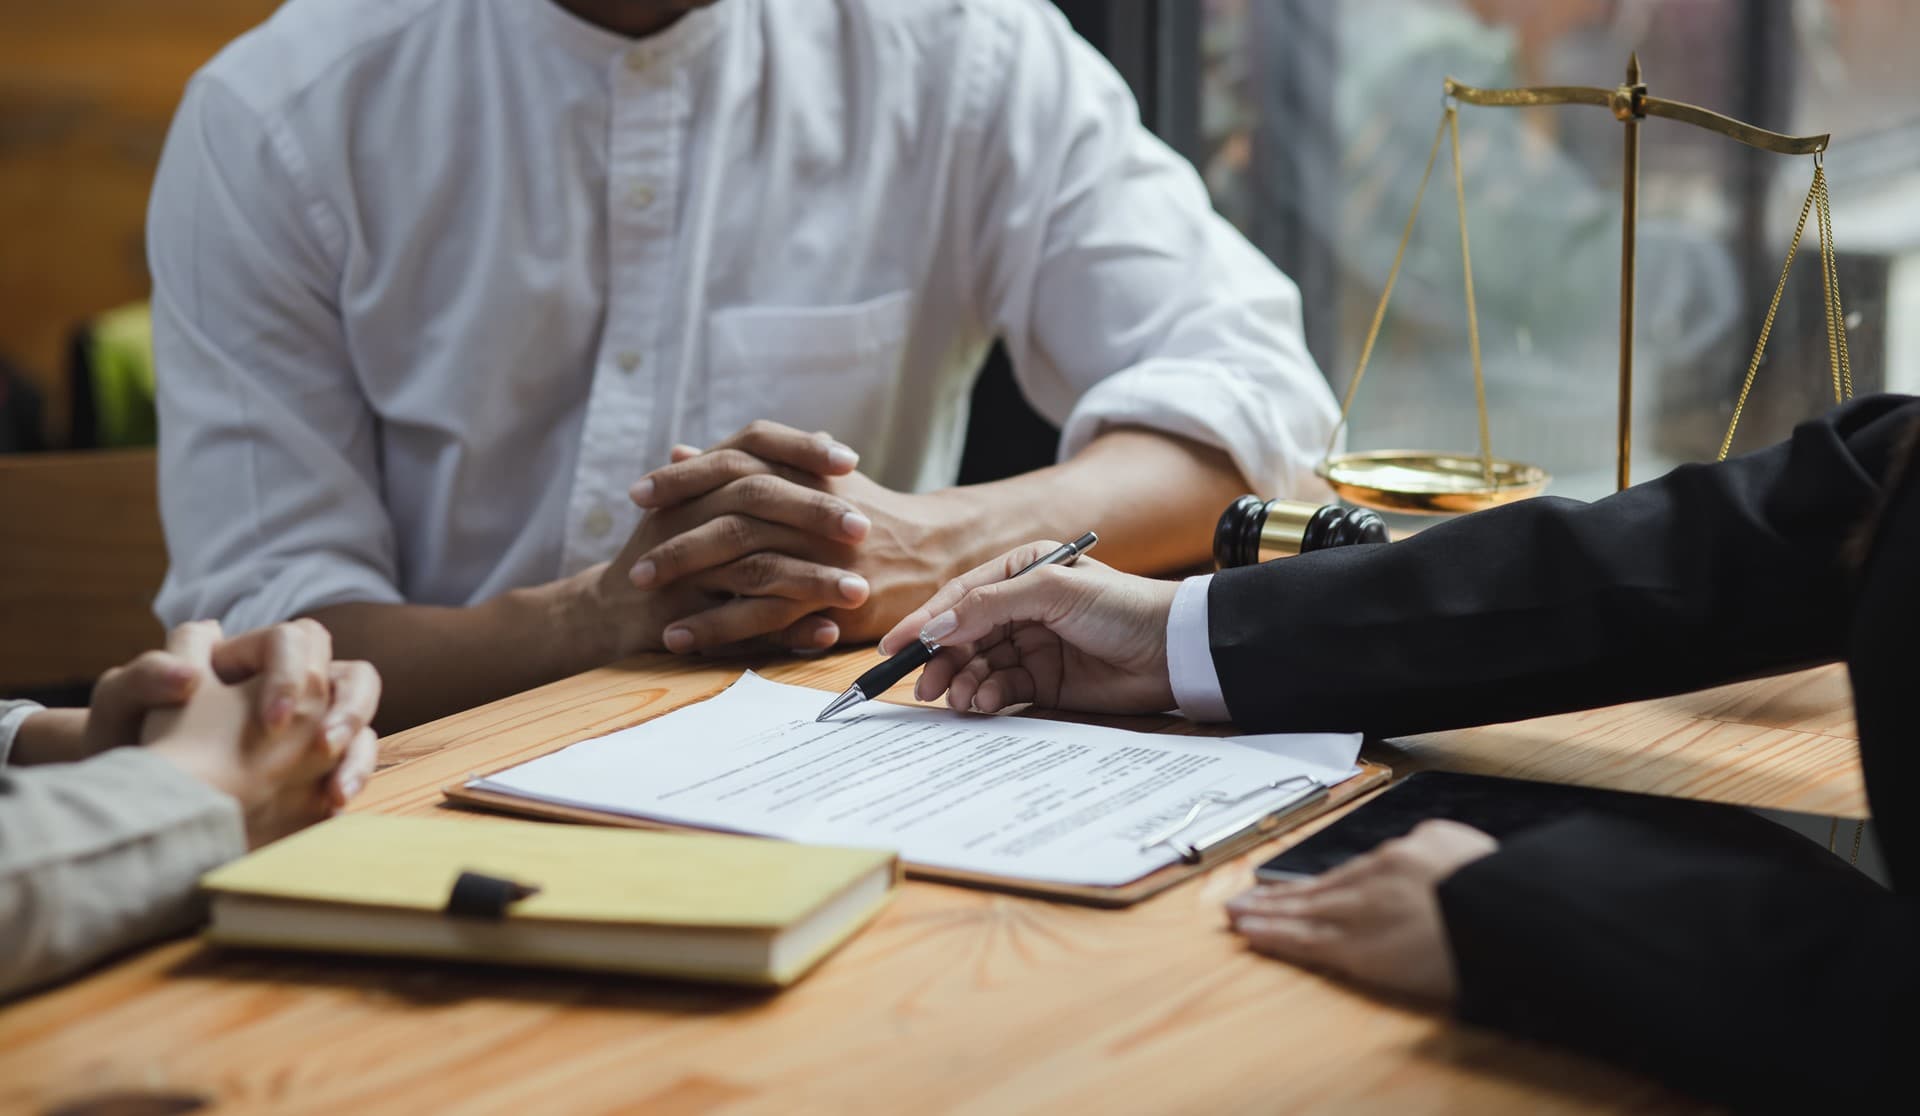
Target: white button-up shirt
[436,280]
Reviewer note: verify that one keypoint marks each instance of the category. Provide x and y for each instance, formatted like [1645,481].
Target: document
[1006,796]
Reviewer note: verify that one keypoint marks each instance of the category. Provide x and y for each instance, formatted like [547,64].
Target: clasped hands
[770,536]
[268,718]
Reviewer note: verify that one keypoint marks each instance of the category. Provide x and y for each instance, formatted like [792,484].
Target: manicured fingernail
[826,635]
[678,640]
[854,588]
[842,457]
[855,524]
[939,626]
[339,733]
[642,491]
[280,711]
[354,784]
[179,674]
[643,573]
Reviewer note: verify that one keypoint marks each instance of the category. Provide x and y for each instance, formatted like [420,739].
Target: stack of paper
[1009,797]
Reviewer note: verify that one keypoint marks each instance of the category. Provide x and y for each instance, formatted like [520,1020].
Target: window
[1315,120]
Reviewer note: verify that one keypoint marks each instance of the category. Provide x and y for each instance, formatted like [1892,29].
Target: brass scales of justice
[1430,482]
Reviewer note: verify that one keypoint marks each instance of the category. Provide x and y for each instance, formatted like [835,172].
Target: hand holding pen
[920,651]
[1078,637]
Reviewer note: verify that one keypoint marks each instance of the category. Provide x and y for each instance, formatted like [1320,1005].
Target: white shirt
[13,714]
[1190,670]
[436,280]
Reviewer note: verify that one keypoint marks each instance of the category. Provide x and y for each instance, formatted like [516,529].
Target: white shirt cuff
[12,715]
[1196,684]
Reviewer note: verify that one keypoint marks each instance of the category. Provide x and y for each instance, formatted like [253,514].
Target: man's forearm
[1154,498]
[434,661]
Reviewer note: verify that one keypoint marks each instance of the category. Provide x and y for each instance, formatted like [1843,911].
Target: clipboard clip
[1192,852]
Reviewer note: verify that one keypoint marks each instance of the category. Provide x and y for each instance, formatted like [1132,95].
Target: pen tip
[852,696]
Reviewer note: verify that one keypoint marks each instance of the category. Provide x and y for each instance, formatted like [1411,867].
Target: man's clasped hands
[773,536]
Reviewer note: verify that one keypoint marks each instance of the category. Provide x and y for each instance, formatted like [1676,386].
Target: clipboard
[1208,841]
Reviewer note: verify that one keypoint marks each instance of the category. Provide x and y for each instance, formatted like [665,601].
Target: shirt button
[598,522]
[636,60]
[629,361]
[640,196]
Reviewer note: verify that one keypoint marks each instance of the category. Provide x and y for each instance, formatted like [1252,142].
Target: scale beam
[1630,104]
[1541,96]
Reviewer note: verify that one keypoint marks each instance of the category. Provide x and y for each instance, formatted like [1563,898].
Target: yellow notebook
[699,906]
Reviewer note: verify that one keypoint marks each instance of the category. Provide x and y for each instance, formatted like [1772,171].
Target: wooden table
[953,1001]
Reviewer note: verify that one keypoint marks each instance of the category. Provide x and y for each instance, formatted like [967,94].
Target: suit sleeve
[1709,574]
[1744,966]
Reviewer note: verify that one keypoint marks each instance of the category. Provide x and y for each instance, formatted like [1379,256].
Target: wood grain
[953,1001]
[1783,743]
[81,556]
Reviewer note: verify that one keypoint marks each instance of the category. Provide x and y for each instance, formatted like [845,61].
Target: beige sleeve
[102,855]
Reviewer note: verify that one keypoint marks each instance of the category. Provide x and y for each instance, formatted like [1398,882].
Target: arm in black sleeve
[1706,575]
[1751,969]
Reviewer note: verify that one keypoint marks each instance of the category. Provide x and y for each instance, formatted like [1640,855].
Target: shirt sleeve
[1566,605]
[100,856]
[12,715]
[269,481]
[1123,298]
[1196,684]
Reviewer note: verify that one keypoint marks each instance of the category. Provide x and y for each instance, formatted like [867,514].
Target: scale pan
[1426,482]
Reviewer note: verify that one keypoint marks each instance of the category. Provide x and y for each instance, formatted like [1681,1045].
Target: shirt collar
[678,43]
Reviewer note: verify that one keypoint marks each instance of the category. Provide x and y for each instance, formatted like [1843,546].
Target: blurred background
[87,89]
[1308,119]
[1313,121]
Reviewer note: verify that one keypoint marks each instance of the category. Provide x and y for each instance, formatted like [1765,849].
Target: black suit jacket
[1719,956]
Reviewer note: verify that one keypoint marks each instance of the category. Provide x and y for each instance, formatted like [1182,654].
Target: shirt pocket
[832,368]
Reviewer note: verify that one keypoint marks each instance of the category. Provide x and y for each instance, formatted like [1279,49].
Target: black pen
[877,681]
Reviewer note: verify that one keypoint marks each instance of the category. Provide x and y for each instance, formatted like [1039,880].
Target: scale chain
[1837,355]
[1473,315]
[1836,314]
[1449,127]
[1393,276]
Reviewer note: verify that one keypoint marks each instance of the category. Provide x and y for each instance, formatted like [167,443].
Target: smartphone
[1500,807]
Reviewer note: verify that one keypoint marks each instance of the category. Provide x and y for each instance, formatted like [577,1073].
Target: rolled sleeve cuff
[1272,434]
[12,715]
[1196,684]
[295,589]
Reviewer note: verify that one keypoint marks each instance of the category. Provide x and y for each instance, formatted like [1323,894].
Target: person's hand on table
[1374,920]
[280,658]
[784,537]
[272,721]
[1082,637]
